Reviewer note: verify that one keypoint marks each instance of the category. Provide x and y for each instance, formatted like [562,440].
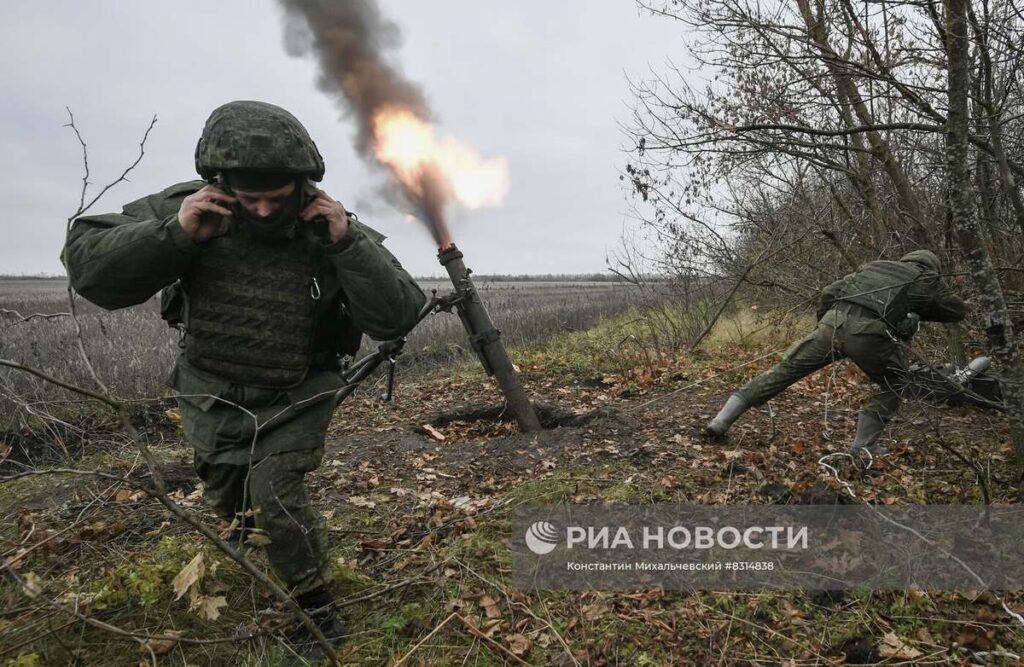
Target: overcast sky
[542,83]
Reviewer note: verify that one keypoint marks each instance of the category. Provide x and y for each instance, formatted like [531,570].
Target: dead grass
[407,552]
[133,349]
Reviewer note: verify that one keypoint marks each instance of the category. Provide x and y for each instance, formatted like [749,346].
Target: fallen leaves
[518,644]
[208,606]
[361,501]
[976,638]
[160,646]
[188,500]
[189,576]
[173,415]
[427,488]
[257,538]
[894,647]
[188,581]
[31,583]
[794,615]
[434,433]
[128,495]
[491,608]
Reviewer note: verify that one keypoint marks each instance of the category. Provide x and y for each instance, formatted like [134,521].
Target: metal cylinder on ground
[485,340]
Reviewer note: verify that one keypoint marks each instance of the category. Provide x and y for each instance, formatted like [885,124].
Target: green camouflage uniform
[860,317]
[119,260]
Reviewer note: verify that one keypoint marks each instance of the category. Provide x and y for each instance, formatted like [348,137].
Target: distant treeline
[539,277]
[38,276]
[485,277]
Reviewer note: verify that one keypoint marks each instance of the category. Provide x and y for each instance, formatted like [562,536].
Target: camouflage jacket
[927,295]
[119,260]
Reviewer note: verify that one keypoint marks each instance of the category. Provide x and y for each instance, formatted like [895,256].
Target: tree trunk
[993,120]
[848,91]
[961,202]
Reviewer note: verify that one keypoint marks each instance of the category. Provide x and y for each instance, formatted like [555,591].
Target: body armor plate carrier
[251,310]
[882,287]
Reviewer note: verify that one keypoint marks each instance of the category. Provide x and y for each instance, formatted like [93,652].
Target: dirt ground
[417,493]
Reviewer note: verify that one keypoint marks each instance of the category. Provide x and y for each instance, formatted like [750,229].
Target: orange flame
[407,146]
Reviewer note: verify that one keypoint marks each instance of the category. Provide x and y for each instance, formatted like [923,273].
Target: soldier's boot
[318,606]
[869,427]
[729,413]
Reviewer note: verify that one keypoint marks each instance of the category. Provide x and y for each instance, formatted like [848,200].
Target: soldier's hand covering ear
[202,214]
[323,206]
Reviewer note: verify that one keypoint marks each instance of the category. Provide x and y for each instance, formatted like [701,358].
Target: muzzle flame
[408,147]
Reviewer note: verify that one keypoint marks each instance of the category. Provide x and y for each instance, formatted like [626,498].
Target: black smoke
[349,39]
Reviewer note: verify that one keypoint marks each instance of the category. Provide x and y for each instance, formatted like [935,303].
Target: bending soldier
[862,316]
[272,281]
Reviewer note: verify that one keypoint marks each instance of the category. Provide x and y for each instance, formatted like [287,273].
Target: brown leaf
[434,433]
[916,595]
[361,501]
[161,646]
[518,644]
[793,613]
[127,495]
[894,647]
[32,584]
[986,615]
[975,638]
[490,606]
[491,627]
[159,529]
[594,611]
[257,539]
[207,606]
[189,576]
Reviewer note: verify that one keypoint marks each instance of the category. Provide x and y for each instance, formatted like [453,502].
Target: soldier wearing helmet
[271,282]
[862,316]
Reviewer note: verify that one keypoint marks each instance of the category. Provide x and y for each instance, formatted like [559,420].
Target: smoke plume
[349,39]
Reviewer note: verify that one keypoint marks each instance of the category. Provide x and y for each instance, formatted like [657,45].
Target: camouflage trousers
[840,335]
[275,490]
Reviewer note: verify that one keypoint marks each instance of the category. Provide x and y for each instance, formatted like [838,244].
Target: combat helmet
[925,258]
[256,137]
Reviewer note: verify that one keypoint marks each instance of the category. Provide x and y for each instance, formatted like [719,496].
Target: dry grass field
[420,519]
[133,349]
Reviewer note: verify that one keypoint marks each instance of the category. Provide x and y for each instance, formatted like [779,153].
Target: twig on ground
[430,634]
[490,642]
[113,629]
[19,318]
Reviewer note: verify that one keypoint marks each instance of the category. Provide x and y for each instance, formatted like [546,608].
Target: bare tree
[848,121]
[960,193]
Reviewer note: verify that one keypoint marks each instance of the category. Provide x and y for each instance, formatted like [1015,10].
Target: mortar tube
[486,340]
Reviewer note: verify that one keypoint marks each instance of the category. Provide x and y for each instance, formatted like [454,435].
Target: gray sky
[542,83]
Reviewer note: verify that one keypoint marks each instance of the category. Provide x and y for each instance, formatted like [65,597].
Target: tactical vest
[882,287]
[251,309]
